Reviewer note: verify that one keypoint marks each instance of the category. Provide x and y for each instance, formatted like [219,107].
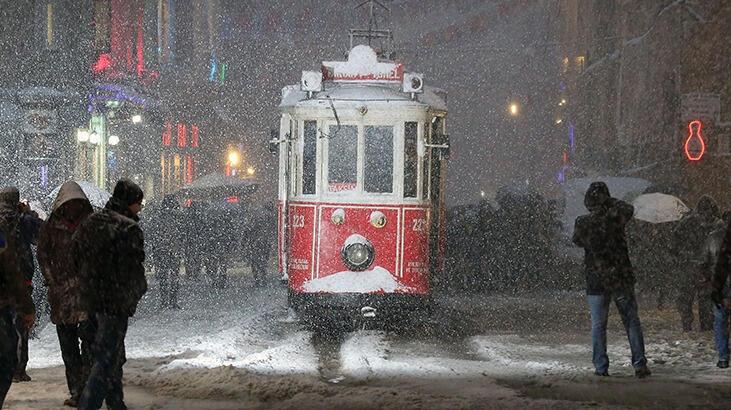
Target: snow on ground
[232,328]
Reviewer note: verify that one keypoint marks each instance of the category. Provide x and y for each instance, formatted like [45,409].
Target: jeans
[8,351]
[720,331]
[77,361]
[627,307]
[105,379]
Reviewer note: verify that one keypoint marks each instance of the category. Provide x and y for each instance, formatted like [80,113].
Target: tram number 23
[297,221]
[418,225]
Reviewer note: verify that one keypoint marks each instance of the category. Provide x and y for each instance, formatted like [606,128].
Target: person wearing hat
[16,304]
[108,252]
[609,274]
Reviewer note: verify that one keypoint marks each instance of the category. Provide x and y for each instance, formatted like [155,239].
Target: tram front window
[342,155]
[378,170]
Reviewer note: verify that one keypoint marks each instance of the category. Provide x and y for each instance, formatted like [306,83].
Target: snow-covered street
[241,348]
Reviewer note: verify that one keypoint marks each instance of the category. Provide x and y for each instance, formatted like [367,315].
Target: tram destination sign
[362,65]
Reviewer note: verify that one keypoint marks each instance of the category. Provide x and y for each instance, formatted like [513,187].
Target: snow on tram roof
[362,78]
[357,93]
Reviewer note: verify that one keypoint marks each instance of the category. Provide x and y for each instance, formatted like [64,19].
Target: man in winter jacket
[65,286]
[717,252]
[108,250]
[609,274]
[29,227]
[688,239]
[14,296]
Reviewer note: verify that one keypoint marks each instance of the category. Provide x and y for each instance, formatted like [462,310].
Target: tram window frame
[355,145]
[382,160]
[411,160]
[309,157]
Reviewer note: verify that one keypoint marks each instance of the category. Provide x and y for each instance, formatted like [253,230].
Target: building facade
[633,70]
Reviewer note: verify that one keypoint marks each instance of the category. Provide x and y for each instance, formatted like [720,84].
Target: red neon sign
[695,147]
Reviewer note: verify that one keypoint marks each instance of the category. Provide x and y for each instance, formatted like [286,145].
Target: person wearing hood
[16,304]
[108,252]
[609,274]
[689,238]
[68,210]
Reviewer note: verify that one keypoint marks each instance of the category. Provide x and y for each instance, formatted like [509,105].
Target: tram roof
[358,93]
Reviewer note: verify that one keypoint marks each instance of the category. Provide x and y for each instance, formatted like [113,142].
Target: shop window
[378,171]
[411,159]
[309,158]
[342,158]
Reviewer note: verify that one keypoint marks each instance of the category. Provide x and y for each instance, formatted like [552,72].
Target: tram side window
[342,155]
[378,170]
[411,159]
[309,158]
[425,168]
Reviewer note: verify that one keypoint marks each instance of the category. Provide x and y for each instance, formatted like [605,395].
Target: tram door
[436,162]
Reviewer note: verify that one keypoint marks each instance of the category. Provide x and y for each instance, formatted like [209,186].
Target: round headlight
[358,253]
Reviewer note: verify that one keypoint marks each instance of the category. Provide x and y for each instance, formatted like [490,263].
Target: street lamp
[234,158]
[113,140]
[136,119]
[82,135]
[94,138]
[514,109]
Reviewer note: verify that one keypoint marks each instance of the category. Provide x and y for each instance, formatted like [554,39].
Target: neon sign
[695,147]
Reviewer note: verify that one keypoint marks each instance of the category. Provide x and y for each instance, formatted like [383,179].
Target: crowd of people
[93,266]
[702,248]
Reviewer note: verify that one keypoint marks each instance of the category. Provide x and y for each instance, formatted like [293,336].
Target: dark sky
[483,53]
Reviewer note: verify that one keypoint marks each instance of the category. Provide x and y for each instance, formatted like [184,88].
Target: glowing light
[562,102]
[82,135]
[482,194]
[94,138]
[695,147]
[136,119]
[559,121]
[234,158]
[250,171]
[113,140]
[514,109]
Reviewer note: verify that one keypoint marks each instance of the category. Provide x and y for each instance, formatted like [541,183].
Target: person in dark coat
[16,303]
[261,242]
[108,251]
[30,225]
[194,237]
[168,250]
[688,239]
[717,262]
[609,274]
[68,210]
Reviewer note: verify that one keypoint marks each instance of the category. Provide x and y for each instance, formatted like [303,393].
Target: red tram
[362,150]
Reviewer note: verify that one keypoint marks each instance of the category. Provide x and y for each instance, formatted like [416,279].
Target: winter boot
[722,364]
[642,372]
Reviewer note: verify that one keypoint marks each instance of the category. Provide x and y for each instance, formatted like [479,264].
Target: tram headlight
[357,253]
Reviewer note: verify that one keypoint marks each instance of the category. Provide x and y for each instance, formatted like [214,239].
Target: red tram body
[362,148]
